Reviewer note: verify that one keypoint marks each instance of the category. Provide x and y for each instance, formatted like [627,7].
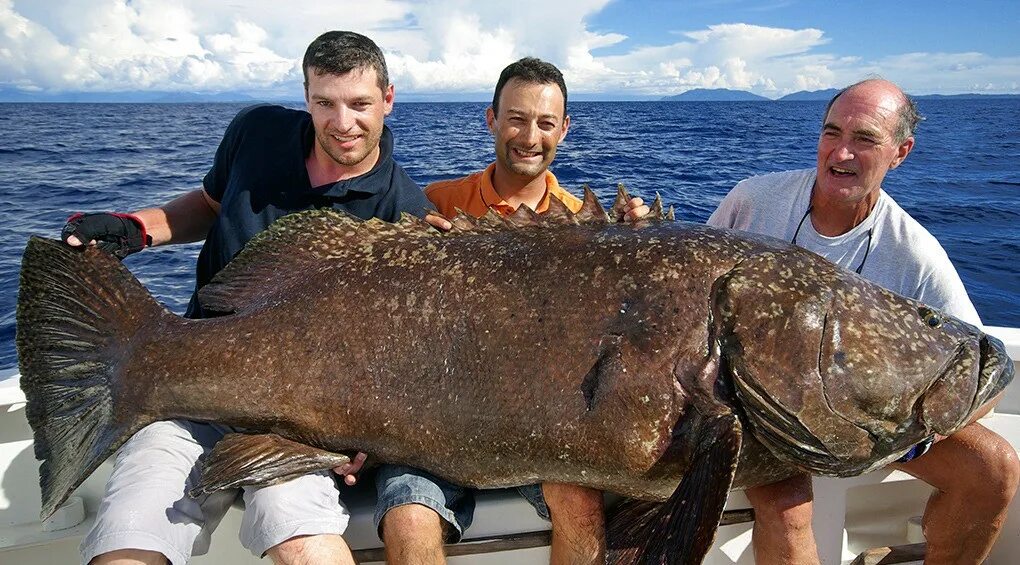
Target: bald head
[883,94]
[863,137]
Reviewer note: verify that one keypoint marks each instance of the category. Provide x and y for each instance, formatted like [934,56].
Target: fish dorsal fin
[621,202]
[294,246]
[491,219]
[591,211]
[313,240]
[463,221]
[656,208]
[656,212]
[558,213]
[524,216]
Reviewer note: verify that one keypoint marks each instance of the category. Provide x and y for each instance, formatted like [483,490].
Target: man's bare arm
[184,219]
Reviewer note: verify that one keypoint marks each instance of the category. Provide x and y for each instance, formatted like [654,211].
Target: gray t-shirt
[904,257]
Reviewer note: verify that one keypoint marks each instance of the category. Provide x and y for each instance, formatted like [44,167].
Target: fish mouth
[997,369]
[993,372]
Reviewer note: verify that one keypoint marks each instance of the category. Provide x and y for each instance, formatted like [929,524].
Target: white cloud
[736,56]
[115,45]
[462,58]
[432,46]
[470,42]
[950,73]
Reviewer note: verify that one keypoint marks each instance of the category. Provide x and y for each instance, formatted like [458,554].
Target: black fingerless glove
[119,234]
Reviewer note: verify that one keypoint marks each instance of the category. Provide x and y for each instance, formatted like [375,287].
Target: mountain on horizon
[715,95]
[828,93]
[809,95]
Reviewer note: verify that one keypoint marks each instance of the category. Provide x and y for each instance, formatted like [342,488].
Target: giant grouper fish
[665,361]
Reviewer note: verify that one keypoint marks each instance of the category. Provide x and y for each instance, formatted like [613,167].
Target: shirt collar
[492,199]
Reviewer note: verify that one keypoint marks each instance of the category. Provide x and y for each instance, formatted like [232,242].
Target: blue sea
[962,181]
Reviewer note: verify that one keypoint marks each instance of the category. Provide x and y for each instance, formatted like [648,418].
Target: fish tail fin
[681,529]
[76,312]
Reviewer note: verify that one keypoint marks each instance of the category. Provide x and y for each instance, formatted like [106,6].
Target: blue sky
[606,48]
[868,29]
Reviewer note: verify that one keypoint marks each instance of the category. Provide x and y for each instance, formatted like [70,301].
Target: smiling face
[529,126]
[347,113]
[858,144]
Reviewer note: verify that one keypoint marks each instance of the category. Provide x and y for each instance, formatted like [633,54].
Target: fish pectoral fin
[260,460]
[681,529]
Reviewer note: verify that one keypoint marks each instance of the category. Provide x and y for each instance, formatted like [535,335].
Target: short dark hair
[340,52]
[907,114]
[530,70]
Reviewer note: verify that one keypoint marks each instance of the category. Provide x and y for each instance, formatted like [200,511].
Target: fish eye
[931,318]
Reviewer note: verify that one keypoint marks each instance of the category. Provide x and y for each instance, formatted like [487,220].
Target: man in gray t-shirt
[840,211]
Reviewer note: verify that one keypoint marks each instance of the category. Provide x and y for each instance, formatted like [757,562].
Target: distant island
[715,95]
[810,95]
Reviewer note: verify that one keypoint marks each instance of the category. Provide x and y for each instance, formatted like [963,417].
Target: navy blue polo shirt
[259,175]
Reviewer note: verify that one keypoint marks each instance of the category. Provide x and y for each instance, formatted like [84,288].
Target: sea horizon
[693,95]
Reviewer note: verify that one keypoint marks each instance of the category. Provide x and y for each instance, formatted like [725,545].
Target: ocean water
[962,181]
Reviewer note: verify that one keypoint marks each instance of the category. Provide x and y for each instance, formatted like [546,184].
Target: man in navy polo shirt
[272,161]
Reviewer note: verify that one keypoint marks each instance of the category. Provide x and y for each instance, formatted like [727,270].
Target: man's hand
[349,470]
[635,209]
[438,222]
[119,234]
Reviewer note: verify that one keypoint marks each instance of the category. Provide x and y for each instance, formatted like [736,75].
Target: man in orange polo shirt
[528,119]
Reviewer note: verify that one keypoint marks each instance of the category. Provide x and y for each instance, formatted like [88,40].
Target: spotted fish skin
[555,347]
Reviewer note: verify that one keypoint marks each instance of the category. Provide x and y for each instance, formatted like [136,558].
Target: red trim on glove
[146,239]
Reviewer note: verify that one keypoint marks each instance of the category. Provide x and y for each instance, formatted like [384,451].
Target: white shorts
[146,505]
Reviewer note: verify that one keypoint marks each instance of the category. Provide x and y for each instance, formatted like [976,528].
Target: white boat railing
[850,515]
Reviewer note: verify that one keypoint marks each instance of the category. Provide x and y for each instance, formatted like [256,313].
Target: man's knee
[410,498]
[290,551]
[130,557]
[994,469]
[975,464]
[310,550]
[412,520]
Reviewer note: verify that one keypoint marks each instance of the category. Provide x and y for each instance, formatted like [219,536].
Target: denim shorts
[533,494]
[397,485]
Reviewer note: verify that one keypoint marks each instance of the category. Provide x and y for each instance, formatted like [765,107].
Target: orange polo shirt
[474,195]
